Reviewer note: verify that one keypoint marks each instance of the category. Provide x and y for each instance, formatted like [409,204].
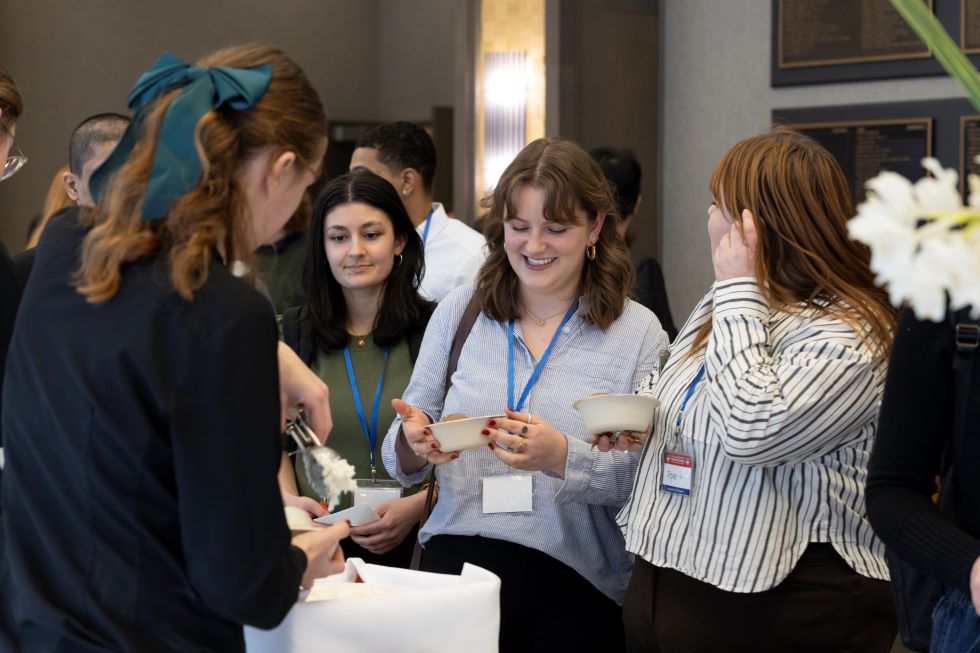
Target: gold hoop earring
[399,260]
[590,252]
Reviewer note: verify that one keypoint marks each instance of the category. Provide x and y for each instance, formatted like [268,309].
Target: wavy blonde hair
[213,217]
[801,202]
[572,181]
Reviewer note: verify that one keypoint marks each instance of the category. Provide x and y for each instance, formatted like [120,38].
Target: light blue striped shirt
[573,519]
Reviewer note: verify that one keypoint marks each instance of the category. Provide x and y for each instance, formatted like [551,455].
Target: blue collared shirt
[573,518]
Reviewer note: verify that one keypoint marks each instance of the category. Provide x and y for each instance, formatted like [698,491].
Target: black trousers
[545,605]
[823,606]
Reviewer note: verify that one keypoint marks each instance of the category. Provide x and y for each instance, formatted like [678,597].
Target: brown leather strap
[466,322]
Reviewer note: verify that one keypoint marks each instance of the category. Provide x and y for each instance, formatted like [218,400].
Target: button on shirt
[780,430]
[573,519]
[454,253]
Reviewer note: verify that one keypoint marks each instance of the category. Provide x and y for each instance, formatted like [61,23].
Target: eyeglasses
[13,163]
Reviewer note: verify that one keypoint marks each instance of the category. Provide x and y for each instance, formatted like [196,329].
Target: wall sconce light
[505,82]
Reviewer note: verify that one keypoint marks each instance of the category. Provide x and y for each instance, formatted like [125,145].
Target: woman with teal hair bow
[142,396]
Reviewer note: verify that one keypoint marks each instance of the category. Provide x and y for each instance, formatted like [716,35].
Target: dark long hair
[402,310]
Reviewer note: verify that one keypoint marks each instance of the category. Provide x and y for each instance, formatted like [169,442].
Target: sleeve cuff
[739,297]
[578,471]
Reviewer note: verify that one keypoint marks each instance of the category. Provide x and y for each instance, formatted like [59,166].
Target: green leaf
[945,49]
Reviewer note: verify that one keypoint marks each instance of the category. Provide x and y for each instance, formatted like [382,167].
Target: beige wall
[369,59]
[416,51]
[716,92]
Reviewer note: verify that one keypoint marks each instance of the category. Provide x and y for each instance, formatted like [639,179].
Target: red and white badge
[677,473]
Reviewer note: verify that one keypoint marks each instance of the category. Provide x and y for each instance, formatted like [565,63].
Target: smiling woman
[360,331]
[537,504]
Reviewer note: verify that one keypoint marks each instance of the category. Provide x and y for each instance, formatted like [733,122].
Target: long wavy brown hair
[801,202]
[214,216]
[572,181]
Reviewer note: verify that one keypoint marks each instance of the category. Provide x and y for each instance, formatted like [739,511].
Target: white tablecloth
[405,612]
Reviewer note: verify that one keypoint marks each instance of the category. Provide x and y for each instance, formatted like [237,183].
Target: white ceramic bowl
[460,434]
[612,413]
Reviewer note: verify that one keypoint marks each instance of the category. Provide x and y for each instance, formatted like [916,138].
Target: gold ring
[521,447]
[529,418]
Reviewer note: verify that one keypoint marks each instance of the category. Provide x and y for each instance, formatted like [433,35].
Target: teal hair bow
[176,164]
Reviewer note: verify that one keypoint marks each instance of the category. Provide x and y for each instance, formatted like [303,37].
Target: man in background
[404,154]
[90,144]
[623,173]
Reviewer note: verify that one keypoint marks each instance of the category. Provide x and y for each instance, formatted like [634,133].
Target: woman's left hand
[397,518]
[532,444]
[735,255]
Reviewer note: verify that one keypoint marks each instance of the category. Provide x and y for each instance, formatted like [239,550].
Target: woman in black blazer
[142,398]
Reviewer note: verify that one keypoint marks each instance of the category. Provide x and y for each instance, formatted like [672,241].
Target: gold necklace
[539,321]
[360,339]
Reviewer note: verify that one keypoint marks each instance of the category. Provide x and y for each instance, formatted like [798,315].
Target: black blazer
[649,290]
[141,505]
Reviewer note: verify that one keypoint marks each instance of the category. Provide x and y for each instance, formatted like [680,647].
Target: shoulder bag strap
[466,322]
[967,340]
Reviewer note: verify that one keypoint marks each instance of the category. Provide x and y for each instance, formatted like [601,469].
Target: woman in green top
[360,331]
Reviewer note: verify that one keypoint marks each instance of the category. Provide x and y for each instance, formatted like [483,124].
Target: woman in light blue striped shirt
[537,505]
[748,508]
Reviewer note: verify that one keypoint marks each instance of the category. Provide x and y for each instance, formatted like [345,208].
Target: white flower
[920,249]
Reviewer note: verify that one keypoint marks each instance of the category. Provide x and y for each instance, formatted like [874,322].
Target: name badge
[677,473]
[507,494]
[376,493]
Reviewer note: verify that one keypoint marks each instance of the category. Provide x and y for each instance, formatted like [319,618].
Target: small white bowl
[357,515]
[460,434]
[613,413]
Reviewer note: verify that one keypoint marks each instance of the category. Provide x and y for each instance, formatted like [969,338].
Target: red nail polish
[426,432]
[435,446]
[490,445]
[455,456]
[485,432]
[492,422]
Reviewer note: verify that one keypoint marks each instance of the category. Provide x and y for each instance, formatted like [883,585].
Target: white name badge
[677,473]
[507,494]
[377,493]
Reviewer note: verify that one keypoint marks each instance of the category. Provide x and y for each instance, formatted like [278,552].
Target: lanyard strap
[537,368]
[425,232]
[679,423]
[372,433]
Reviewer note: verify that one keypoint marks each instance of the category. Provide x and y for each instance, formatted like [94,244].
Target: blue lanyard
[679,423]
[425,232]
[372,433]
[537,368]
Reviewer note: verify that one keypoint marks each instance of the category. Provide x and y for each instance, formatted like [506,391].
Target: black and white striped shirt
[780,430]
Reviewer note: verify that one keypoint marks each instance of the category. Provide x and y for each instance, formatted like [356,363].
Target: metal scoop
[315,455]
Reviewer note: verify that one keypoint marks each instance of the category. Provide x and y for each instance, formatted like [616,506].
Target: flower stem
[946,51]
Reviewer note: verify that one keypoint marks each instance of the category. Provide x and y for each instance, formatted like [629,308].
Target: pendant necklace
[539,321]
